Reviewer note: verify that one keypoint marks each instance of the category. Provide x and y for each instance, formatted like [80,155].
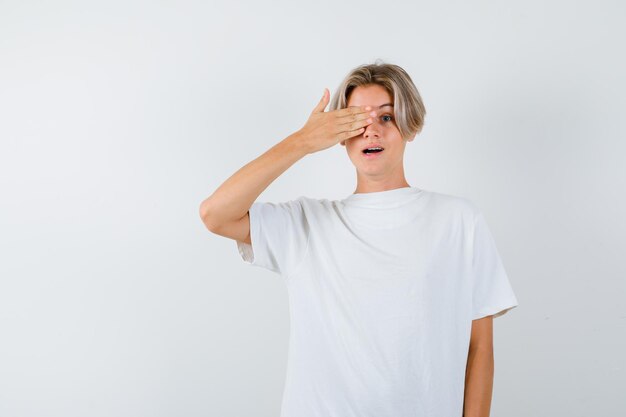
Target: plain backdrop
[118,118]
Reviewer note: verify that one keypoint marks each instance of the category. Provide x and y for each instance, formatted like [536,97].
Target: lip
[372,155]
[372,145]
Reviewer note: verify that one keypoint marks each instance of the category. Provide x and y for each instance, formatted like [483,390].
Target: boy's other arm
[480,369]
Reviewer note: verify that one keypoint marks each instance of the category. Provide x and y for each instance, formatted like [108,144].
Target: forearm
[233,198]
[478,382]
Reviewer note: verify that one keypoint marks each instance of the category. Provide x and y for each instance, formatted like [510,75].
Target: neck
[370,185]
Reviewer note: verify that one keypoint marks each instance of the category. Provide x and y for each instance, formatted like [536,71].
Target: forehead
[370,95]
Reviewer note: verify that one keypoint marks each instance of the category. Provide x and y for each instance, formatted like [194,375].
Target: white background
[118,118]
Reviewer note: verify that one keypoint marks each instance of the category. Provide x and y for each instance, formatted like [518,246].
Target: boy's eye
[387,115]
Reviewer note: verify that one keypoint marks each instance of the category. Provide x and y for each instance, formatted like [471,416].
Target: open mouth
[372,152]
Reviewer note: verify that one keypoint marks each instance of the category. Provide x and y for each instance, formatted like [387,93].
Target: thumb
[322,103]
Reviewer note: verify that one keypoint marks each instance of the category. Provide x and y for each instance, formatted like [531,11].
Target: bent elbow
[203,212]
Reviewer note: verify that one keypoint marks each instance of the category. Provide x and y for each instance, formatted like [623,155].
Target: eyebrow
[381,106]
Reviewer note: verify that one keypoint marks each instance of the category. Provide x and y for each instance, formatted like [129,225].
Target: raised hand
[325,129]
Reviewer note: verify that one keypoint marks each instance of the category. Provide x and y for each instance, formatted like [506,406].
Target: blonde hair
[409,110]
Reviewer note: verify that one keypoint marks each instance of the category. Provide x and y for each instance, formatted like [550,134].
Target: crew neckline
[386,198]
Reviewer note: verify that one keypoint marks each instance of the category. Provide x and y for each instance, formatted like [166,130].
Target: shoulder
[301,203]
[316,209]
[453,204]
[301,206]
[311,203]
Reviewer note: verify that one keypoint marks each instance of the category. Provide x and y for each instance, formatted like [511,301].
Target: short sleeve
[279,234]
[492,293]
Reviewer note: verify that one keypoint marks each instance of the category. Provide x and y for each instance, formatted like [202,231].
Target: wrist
[298,142]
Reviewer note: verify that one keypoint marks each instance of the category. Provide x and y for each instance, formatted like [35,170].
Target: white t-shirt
[383,288]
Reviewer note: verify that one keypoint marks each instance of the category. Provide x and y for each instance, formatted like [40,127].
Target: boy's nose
[371,129]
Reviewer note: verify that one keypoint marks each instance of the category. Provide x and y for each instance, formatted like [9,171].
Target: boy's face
[382,132]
